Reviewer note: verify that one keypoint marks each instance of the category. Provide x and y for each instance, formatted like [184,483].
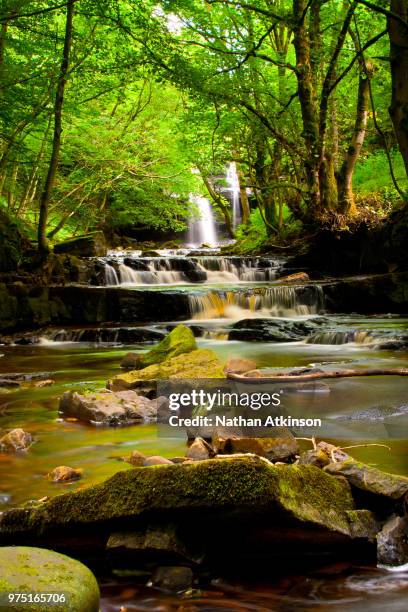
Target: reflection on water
[98,451]
[339,587]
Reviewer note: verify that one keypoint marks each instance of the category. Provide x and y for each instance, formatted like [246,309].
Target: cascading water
[202,230]
[272,301]
[189,270]
[233,189]
[340,337]
[111,276]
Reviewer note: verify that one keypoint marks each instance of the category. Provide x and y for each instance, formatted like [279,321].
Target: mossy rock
[180,340]
[201,363]
[36,570]
[88,245]
[296,495]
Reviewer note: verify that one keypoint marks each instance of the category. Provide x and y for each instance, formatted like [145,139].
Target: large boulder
[180,340]
[89,245]
[106,408]
[38,571]
[370,479]
[201,363]
[225,498]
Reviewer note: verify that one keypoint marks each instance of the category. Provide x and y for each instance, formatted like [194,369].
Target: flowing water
[131,270]
[361,411]
[202,230]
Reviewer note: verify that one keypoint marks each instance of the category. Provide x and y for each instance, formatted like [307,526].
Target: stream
[374,410]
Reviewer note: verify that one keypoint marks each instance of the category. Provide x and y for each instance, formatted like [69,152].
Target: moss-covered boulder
[180,340]
[89,245]
[213,494]
[201,363]
[39,571]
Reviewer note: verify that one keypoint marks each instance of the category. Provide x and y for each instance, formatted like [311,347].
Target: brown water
[98,450]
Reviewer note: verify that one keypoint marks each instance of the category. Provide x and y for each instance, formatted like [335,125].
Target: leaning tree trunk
[56,144]
[346,196]
[399,70]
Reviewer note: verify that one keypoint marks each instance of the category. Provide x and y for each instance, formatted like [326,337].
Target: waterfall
[233,188]
[157,273]
[111,277]
[202,230]
[273,301]
[340,337]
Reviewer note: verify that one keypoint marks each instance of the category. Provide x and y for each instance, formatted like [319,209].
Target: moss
[303,493]
[370,479]
[35,570]
[180,340]
[202,363]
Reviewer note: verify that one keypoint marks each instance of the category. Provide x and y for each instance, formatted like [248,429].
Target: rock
[314,457]
[64,474]
[180,340]
[333,452]
[156,460]
[170,578]
[150,253]
[370,479]
[273,330]
[156,542]
[392,542]
[130,361]
[200,450]
[202,363]
[10,384]
[283,446]
[15,440]
[299,496]
[36,570]
[136,459]
[239,365]
[301,277]
[122,408]
[89,245]
[44,383]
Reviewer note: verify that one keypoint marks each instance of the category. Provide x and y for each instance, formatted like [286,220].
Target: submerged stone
[199,450]
[39,571]
[239,365]
[172,578]
[15,440]
[106,408]
[63,473]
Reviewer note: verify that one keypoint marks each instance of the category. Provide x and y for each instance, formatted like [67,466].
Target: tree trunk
[399,70]
[346,196]
[246,211]
[308,103]
[56,145]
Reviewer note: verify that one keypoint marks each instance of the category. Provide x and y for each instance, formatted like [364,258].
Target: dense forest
[113,112]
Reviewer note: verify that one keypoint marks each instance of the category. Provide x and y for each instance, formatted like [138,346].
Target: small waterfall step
[132,270]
